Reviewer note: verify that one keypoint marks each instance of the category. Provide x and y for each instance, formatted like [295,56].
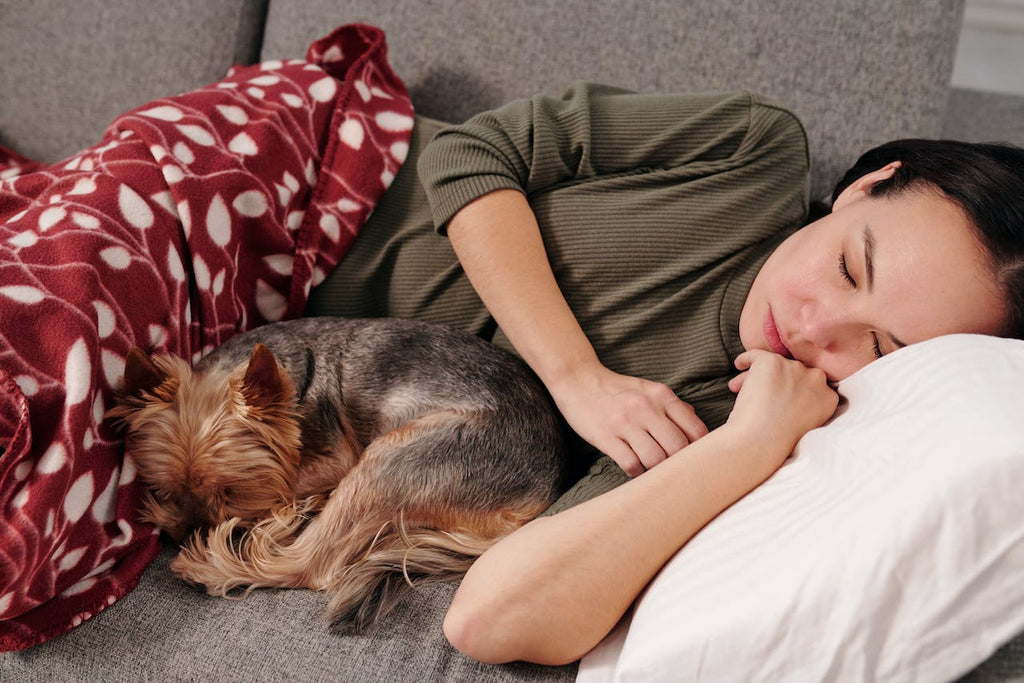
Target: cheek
[800,279]
[797,265]
[843,367]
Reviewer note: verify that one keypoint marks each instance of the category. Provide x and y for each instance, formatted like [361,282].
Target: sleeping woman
[650,257]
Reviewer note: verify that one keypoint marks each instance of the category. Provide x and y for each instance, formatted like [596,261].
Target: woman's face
[872,276]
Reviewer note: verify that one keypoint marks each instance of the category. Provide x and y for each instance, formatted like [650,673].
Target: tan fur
[197,441]
[360,548]
[221,454]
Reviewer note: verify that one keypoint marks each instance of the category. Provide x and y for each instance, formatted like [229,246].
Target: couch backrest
[67,69]
[858,72]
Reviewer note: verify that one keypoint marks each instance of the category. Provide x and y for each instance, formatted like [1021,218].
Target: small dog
[343,455]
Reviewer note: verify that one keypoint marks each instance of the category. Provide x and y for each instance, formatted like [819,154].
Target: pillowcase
[889,547]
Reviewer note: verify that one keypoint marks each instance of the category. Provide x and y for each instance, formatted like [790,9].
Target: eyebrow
[869,253]
[869,269]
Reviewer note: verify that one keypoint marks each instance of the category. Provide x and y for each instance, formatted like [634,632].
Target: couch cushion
[70,67]
[856,72]
[166,630]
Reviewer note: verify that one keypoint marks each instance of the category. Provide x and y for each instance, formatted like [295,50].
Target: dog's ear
[265,382]
[141,374]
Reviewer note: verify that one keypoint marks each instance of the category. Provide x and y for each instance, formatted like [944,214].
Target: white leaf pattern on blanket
[128,244]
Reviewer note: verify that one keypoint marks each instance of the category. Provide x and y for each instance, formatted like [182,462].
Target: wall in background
[990,54]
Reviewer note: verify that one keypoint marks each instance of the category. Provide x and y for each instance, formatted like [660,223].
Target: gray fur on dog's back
[368,376]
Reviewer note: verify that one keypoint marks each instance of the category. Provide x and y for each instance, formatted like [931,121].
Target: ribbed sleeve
[592,131]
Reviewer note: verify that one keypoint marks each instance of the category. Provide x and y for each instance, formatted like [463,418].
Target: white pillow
[889,548]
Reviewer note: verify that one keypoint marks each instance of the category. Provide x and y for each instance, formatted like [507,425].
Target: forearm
[550,591]
[499,245]
[635,421]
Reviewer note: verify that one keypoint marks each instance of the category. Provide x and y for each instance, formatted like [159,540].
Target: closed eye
[877,346]
[845,272]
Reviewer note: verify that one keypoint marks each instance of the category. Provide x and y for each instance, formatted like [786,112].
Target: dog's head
[210,446]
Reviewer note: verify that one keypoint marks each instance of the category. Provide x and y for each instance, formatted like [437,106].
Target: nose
[822,323]
[826,335]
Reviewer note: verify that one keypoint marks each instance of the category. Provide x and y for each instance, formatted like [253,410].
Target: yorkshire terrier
[349,456]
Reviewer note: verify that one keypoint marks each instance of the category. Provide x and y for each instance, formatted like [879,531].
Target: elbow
[488,637]
[475,635]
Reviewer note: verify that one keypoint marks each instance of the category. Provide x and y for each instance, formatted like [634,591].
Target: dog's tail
[365,559]
[399,558]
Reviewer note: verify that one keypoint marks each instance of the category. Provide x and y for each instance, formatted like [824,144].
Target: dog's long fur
[350,456]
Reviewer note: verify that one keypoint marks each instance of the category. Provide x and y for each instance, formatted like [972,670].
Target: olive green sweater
[656,211]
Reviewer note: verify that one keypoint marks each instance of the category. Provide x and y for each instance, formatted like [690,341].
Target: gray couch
[858,72]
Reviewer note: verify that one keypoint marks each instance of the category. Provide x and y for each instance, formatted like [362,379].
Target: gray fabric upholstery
[984,117]
[857,72]
[68,68]
[166,630]
[1004,666]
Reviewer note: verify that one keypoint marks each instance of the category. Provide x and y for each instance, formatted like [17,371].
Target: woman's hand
[638,423]
[779,401]
[549,591]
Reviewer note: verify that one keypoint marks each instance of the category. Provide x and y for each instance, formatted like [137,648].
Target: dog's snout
[195,511]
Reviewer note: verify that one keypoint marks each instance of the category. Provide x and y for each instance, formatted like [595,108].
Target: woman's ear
[859,188]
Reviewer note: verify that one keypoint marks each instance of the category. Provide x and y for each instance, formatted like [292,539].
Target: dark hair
[985,180]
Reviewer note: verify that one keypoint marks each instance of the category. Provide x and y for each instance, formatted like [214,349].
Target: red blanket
[196,217]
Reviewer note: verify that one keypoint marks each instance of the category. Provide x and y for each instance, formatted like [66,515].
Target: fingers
[626,459]
[666,437]
[743,363]
[638,451]
[673,423]
[647,450]
[781,394]
[637,422]
[659,436]
[736,383]
[748,358]
[685,417]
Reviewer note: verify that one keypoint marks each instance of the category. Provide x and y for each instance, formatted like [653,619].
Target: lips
[771,334]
